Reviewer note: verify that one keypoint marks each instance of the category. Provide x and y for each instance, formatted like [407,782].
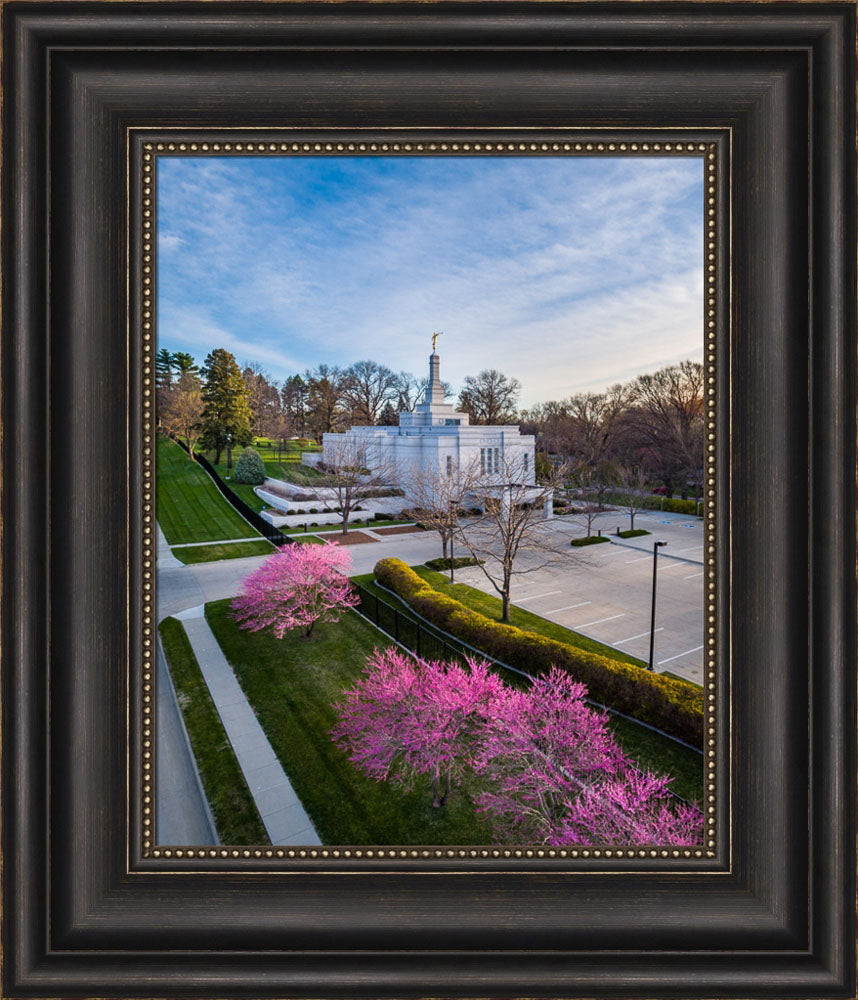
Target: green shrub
[589,540]
[458,563]
[636,533]
[249,468]
[676,707]
[666,504]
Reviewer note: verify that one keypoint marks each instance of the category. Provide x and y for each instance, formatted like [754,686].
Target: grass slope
[235,813]
[190,508]
[292,684]
[231,550]
[650,750]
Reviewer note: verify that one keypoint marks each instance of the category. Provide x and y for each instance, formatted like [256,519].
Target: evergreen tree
[226,413]
[249,468]
[164,369]
[184,363]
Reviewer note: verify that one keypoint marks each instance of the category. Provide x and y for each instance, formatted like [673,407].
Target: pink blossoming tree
[297,587]
[549,768]
[409,717]
[556,775]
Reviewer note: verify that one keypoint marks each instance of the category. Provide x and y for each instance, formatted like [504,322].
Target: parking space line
[678,655]
[641,559]
[535,597]
[693,576]
[690,548]
[640,635]
[567,608]
[676,565]
[598,621]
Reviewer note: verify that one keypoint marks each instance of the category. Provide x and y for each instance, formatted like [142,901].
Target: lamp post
[228,455]
[452,578]
[655,547]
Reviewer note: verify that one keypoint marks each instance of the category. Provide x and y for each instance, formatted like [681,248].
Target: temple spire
[434,390]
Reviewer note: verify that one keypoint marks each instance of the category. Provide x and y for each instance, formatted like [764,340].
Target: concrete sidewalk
[284,818]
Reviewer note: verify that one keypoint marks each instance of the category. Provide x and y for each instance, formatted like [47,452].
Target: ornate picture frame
[91,906]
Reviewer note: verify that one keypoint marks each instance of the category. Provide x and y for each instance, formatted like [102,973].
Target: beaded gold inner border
[143,326]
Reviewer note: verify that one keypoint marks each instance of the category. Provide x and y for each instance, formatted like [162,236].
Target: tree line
[652,424]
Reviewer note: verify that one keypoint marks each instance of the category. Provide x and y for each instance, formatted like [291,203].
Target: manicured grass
[190,508]
[233,550]
[235,814]
[490,606]
[292,684]
[649,749]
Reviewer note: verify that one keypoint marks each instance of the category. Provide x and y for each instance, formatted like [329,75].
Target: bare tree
[668,417]
[354,472]
[440,493]
[490,397]
[512,524]
[591,485]
[183,410]
[368,387]
[325,393]
[633,481]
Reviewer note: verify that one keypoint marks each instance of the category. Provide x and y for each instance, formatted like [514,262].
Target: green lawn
[292,683]
[235,814]
[490,606]
[650,750]
[232,550]
[190,508]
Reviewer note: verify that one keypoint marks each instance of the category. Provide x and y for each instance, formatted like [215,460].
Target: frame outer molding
[82,916]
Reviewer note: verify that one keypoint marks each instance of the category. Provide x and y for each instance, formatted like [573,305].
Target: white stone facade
[438,437]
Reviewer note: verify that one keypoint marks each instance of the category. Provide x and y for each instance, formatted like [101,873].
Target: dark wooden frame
[772,916]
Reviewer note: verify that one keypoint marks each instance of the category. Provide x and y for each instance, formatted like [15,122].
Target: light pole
[655,547]
[228,455]
[452,579]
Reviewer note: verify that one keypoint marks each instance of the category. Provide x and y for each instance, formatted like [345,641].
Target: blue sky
[570,273]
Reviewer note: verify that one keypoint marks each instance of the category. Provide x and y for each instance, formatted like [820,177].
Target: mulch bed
[407,530]
[349,538]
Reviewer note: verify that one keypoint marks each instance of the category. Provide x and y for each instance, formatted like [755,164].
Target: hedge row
[636,533]
[460,562]
[671,705]
[588,540]
[667,504]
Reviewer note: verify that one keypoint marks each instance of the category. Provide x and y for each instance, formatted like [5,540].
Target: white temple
[437,436]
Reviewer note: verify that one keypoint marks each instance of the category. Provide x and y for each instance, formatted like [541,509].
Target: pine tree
[163,369]
[226,413]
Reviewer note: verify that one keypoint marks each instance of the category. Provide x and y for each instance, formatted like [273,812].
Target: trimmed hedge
[670,506]
[636,533]
[675,707]
[458,563]
[588,540]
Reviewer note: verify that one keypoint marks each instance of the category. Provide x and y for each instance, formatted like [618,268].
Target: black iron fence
[274,535]
[428,645]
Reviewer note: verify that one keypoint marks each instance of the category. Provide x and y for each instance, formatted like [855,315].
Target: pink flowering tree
[556,775]
[407,717]
[296,588]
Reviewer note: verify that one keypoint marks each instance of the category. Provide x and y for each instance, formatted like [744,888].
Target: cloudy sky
[570,273]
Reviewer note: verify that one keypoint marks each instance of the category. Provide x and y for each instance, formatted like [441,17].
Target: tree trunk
[505,604]
[632,516]
[217,456]
[309,631]
[436,791]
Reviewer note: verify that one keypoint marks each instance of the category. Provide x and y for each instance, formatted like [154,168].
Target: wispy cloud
[570,273]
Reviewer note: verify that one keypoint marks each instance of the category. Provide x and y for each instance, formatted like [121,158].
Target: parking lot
[605,591]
